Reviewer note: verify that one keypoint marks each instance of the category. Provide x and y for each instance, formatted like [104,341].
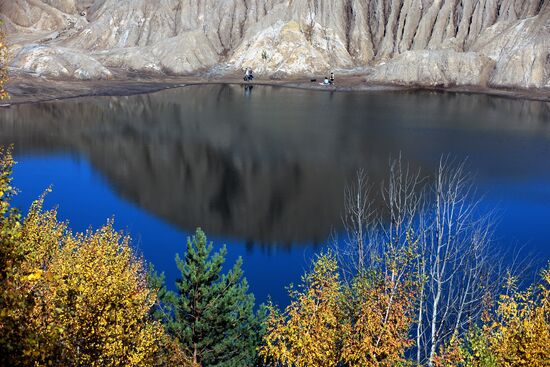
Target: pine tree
[212,315]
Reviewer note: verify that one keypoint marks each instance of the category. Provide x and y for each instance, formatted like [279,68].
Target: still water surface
[264,170]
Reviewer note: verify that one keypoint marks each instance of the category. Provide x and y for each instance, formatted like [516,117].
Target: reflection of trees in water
[270,170]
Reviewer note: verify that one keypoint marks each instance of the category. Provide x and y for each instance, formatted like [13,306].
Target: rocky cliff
[497,43]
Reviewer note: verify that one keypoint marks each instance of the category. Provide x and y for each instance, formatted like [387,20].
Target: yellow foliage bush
[381,318]
[516,335]
[308,333]
[71,299]
[329,323]
[519,335]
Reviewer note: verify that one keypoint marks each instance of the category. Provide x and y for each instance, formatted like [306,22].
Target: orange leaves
[381,310]
[519,335]
[329,323]
[453,355]
[516,335]
[308,333]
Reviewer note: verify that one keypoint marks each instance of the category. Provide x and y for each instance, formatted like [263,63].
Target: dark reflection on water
[269,166]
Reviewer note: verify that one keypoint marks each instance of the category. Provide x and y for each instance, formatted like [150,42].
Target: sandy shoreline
[30,89]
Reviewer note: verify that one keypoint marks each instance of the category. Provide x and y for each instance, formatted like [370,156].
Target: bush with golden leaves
[380,318]
[471,351]
[16,283]
[519,334]
[71,299]
[329,323]
[308,332]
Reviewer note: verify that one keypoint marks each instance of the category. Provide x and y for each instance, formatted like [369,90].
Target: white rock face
[288,37]
[284,49]
[59,62]
[183,54]
[521,50]
[435,68]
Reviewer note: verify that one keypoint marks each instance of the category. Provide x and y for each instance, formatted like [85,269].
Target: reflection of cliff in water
[268,167]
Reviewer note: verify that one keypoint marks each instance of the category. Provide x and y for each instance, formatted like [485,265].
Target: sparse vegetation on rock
[90,39]
[3,63]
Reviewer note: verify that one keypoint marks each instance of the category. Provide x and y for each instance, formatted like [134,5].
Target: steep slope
[500,43]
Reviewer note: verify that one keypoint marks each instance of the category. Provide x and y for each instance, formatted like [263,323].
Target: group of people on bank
[329,81]
[249,76]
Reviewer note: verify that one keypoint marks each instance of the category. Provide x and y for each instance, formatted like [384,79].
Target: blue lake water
[264,171]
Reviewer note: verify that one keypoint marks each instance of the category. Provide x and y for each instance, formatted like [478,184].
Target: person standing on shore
[248,75]
[331,77]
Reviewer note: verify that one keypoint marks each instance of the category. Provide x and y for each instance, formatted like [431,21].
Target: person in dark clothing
[248,76]
[331,78]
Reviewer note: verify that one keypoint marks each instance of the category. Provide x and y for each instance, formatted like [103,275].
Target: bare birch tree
[359,221]
[438,219]
[455,255]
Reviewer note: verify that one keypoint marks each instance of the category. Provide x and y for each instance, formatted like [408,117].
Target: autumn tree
[212,315]
[519,333]
[3,63]
[470,350]
[516,333]
[454,272]
[15,285]
[70,299]
[309,332]
[380,307]
[96,303]
[332,323]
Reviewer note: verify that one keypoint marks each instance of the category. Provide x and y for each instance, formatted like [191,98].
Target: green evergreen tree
[212,315]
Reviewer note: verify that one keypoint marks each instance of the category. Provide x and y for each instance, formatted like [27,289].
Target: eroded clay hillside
[500,43]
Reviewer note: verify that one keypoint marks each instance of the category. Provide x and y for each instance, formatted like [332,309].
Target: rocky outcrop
[192,52]
[284,48]
[59,62]
[435,68]
[521,50]
[423,42]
